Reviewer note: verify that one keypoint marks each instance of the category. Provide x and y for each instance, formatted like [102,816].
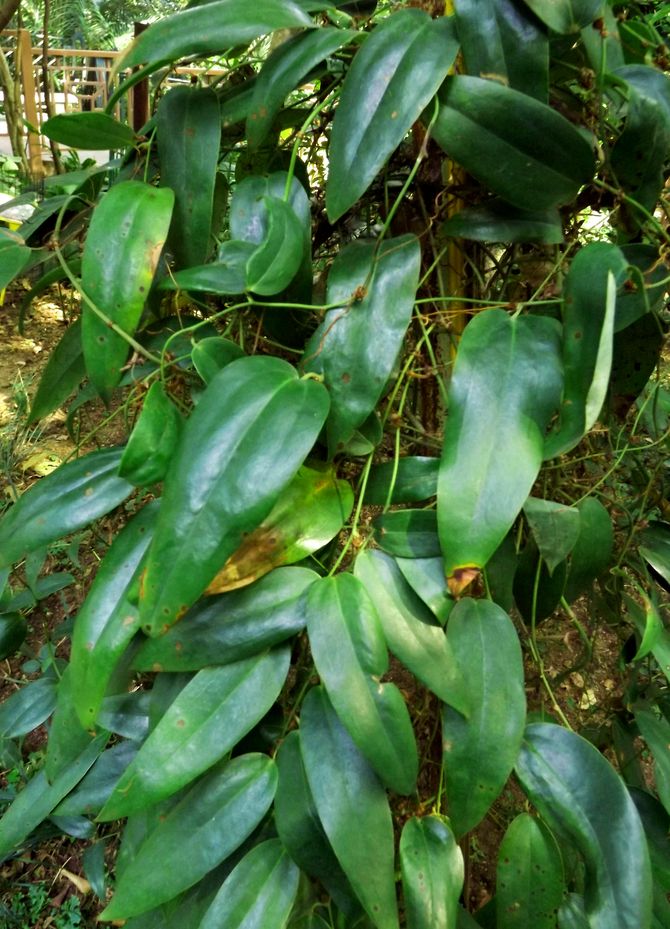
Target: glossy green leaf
[426,578]
[67,737]
[107,620]
[28,707]
[655,547]
[411,631]
[309,514]
[221,810]
[211,355]
[605,40]
[67,499]
[529,885]
[555,528]
[565,15]
[127,714]
[224,277]
[656,733]
[188,128]
[656,823]
[285,70]
[38,798]
[249,217]
[408,533]
[532,157]
[502,41]
[259,892]
[505,386]
[572,914]
[95,130]
[393,76]
[208,717]
[300,829]
[64,370]
[352,807]
[588,326]
[412,480]
[480,751]
[247,437]
[349,651]
[640,152]
[211,30]
[188,909]
[233,626]
[153,441]
[13,630]
[14,255]
[497,221]
[537,597]
[653,628]
[500,570]
[94,789]
[593,549]
[431,865]
[125,237]
[274,264]
[637,351]
[355,348]
[583,800]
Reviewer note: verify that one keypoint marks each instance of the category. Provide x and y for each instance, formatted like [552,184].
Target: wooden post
[140,93]
[25,57]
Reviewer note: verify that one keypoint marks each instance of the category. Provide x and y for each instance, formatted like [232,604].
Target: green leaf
[300,829]
[92,792]
[529,885]
[125,237]
[247,437]
[233,626]
[503,42]
[284,71]
[497,221]
[537,597]
[68,499]
[426,578]
[211,355]
[14,256]
[208,718]
[656,823]
[504,388]
[655,547]
[274,264]
[224,277]
[107,620]
[588,326]
[408,533]
[572,914]
[355,348]
[188,127]
[392,78]
[521,149]
[38,798]
[653,627]
[584,802]
[27,708]
[258,892]
[153,441]
[593,549]
[410,480]
[67,737]
[555,528]
[95,130]
[411,631]
[656,733]
[63,372]
[642,292]
[431,864]
[221,810]
[13,630]
[309,514]
[211,30]
[565,15]
[352,807]
[480,751]
[349,651]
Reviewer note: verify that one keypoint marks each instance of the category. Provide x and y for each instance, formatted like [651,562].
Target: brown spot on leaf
[461,579]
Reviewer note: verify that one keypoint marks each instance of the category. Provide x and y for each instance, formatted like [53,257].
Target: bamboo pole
[25,56]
